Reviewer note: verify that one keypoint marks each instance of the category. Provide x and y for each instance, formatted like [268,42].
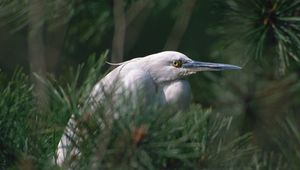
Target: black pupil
[177,63]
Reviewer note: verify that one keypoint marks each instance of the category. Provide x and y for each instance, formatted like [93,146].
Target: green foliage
[268,160]
[17,105]
[85,77]
[162,140]
[30,135]
[289,129]
[268,27]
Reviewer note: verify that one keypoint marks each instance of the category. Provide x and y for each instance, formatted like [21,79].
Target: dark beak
[196,66]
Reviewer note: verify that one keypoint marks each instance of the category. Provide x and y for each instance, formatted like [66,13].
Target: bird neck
[168,82]
[176,94]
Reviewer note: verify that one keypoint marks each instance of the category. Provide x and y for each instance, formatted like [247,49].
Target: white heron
[154,79]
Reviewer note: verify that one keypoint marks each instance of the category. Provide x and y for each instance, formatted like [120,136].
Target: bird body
[155,80]
[144,84]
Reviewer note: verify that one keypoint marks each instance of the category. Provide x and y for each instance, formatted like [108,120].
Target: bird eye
[177,63]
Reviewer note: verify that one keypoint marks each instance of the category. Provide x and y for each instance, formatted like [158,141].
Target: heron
[158,79]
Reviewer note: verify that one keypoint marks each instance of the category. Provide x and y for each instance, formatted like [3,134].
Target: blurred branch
[180,25]
[56,34]
[119,33]
[136,9]
[136,16]
[36,48]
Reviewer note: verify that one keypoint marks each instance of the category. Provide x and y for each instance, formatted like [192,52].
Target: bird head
[170,65]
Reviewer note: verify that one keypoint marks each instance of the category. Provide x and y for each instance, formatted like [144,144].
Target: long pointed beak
[196,66]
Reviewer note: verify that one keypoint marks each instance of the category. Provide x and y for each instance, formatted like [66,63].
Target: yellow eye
[177,63]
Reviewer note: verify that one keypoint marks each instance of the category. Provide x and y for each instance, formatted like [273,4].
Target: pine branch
[267,25]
